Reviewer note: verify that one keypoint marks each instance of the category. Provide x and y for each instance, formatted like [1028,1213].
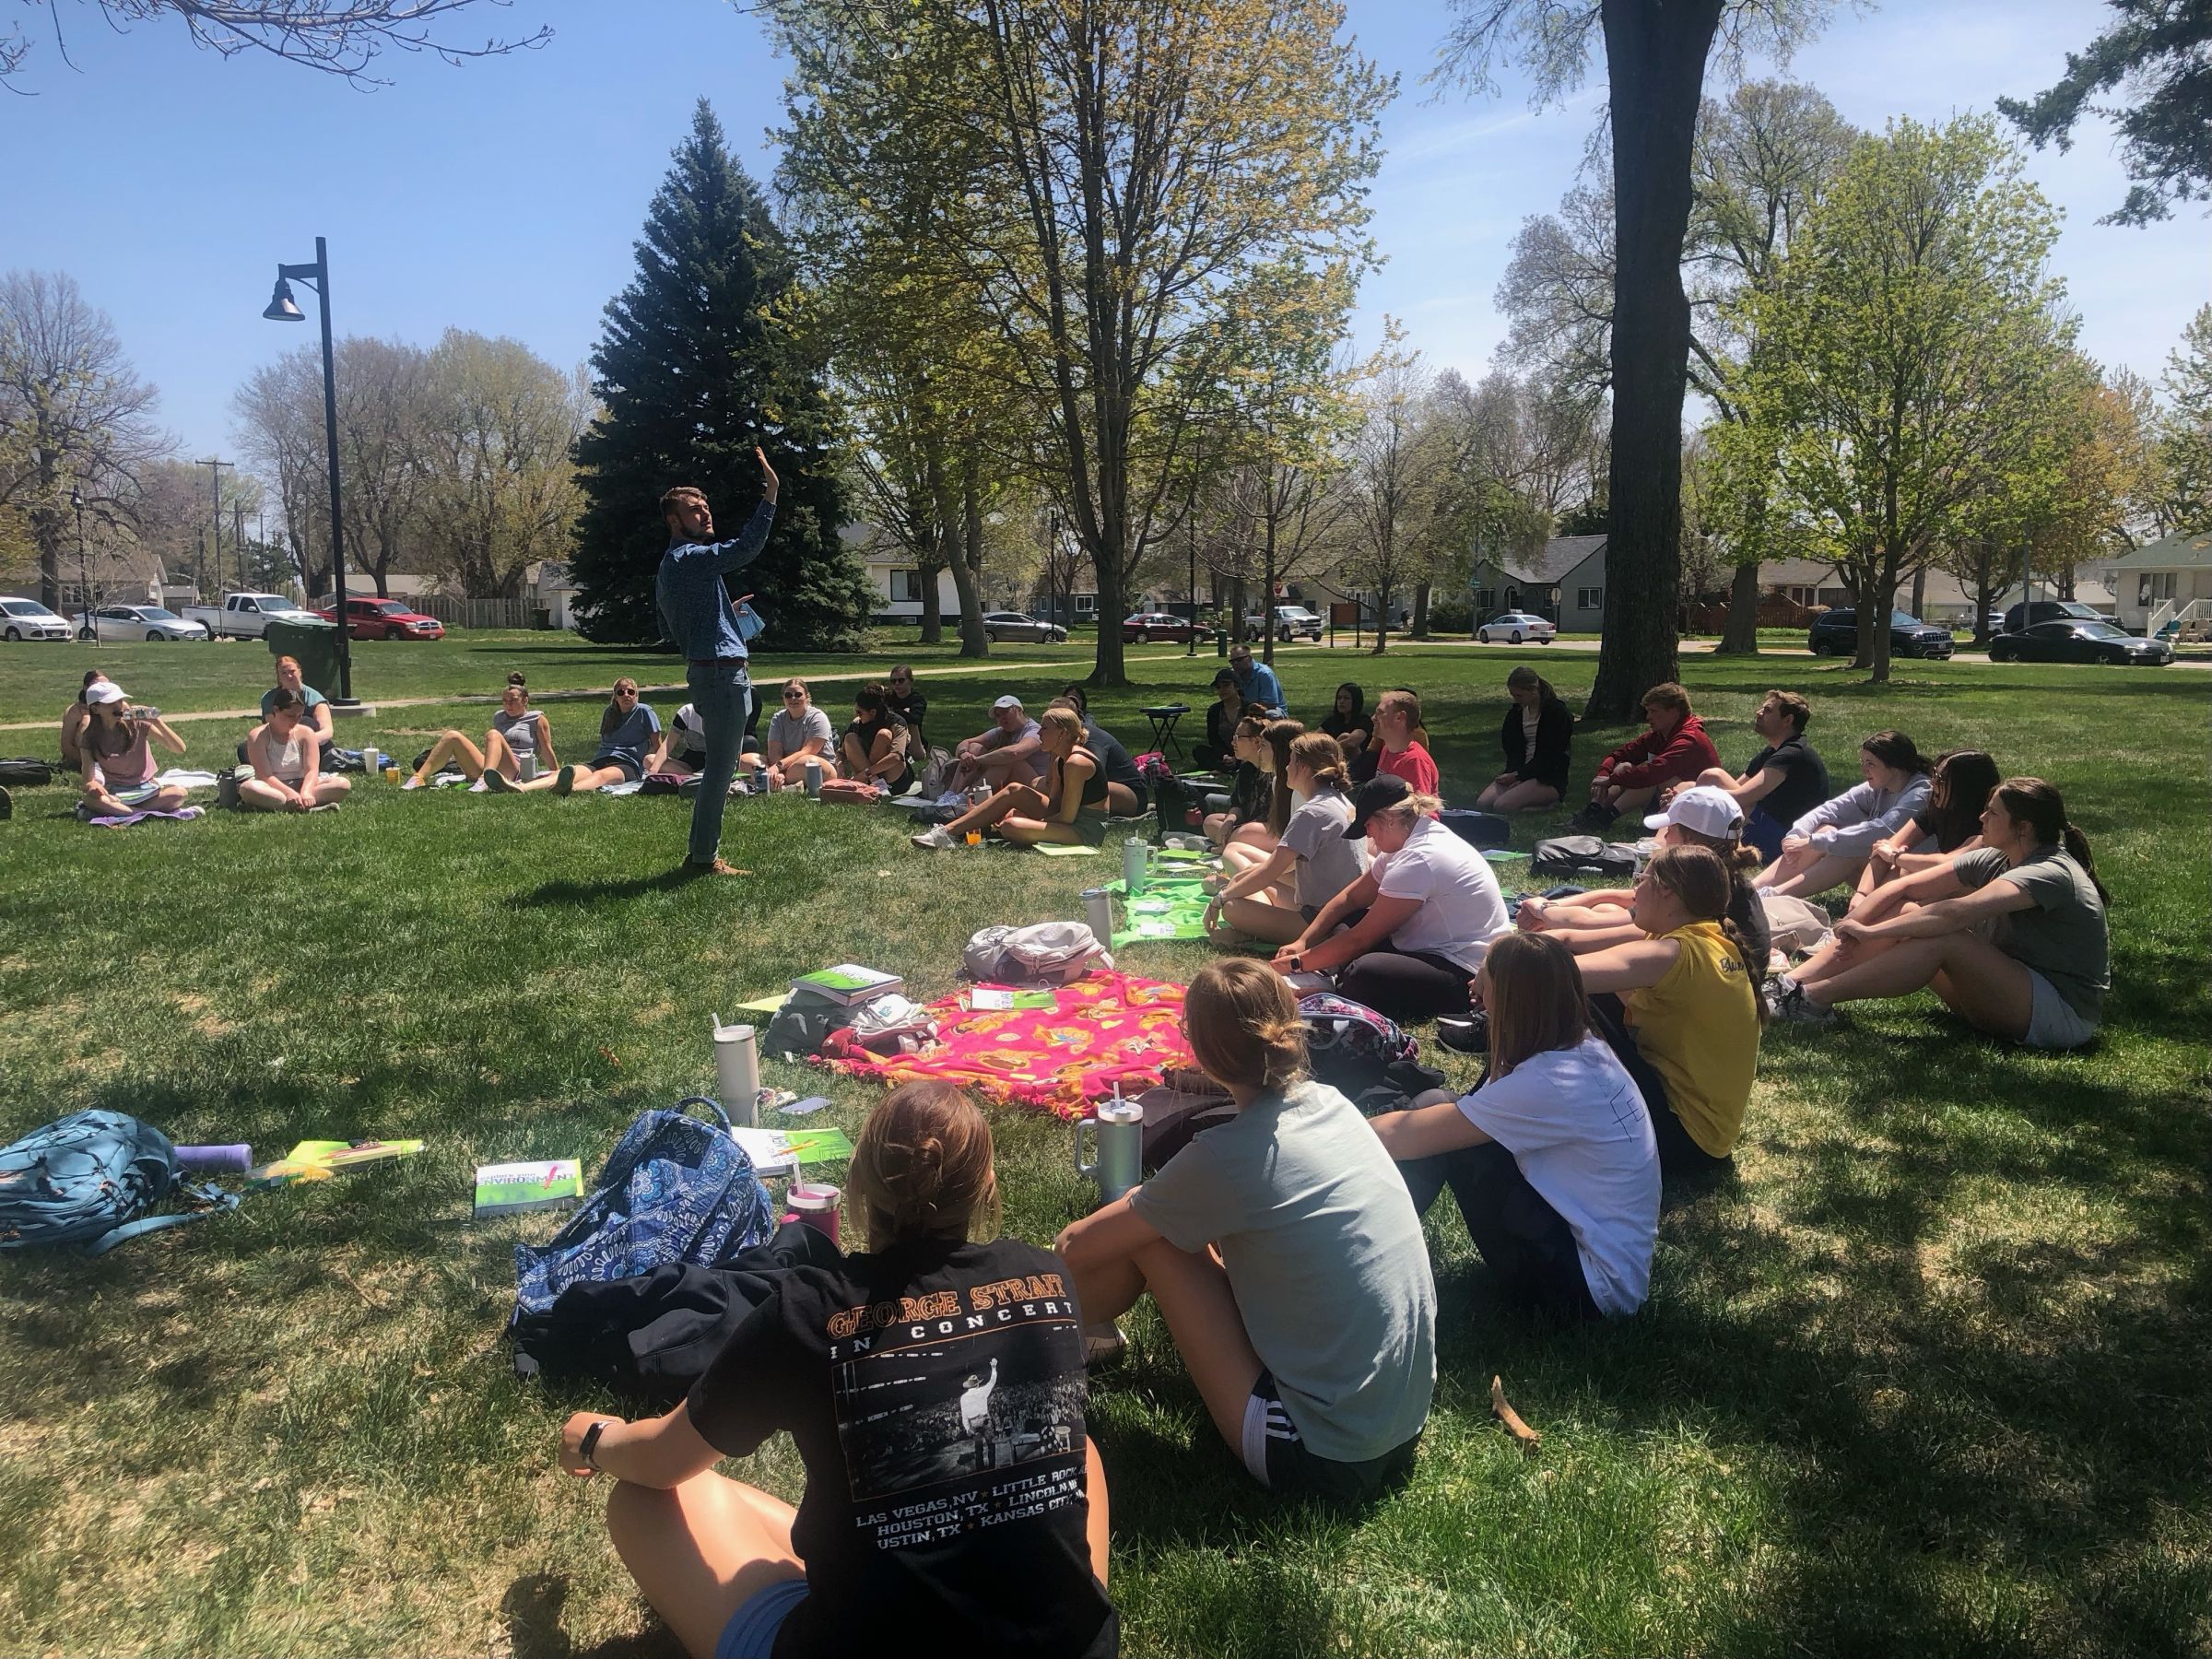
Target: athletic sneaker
[1794,1007]
[480,787]
[411,783]
[497,782]
[324,806]
[564,781]
[936,839]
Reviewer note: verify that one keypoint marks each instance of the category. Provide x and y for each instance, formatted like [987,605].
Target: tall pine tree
[692,370]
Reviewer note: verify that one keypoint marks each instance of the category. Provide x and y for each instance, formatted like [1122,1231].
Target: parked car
[2021,618]
[148,622]
[1160,625]
[1290,622]
[1836,632]
[247,615]
[1513,627]
[2070,639]
[27,619]
[370,618]
[1019,624]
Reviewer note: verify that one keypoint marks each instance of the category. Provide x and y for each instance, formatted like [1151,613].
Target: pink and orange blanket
[1105,1028]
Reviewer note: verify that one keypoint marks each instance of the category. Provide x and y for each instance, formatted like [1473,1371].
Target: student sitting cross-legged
[286,759]
[115,756]
[1273,901]
[1552,1157]
[1284,1255]
[935,1389]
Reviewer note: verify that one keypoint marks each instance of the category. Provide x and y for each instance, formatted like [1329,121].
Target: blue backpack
[81,1180]
[674,1190]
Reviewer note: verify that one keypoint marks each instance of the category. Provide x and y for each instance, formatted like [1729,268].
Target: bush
[1451,615]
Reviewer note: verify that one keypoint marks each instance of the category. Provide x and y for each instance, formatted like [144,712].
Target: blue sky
[504,195]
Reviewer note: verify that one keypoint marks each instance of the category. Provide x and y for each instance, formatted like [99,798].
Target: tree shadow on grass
[531,1611]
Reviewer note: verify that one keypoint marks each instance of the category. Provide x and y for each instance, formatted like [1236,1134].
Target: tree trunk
[1421,591]
[1920,588]
[932,621]
[1985,565]
[1876,617]
[1740,636]
[1655,63]
[1267,589]
[1381,622]
[972,642]
[46,525]
[2066,583]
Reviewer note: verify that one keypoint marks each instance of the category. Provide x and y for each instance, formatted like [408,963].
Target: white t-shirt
[1462,910]
[1576,1125]
[1327,863]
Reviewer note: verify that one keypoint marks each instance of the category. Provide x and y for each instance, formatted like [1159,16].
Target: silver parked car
[1018,625]
[27,619]
[150,622]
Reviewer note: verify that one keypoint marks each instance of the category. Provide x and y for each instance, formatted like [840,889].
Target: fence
[482,613]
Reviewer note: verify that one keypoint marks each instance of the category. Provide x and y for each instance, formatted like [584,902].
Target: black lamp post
[281,308]
[84,571]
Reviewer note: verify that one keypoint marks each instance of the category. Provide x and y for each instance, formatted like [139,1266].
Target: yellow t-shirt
[1698,1026]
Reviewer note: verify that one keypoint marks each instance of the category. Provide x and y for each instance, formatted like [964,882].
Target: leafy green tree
[1911,350]
[2183,499]
[694,367]
[2158,55]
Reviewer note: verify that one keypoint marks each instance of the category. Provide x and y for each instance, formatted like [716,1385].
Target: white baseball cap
[103,691]
[1705,808]
[1008,701]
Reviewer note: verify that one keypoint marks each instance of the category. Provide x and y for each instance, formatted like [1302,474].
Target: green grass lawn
[1929,1377]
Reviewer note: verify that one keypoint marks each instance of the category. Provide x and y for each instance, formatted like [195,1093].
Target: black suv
[2021,618]
[1836,633]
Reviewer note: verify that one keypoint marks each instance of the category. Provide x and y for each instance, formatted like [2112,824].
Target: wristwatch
[588,1447]
[1298,961]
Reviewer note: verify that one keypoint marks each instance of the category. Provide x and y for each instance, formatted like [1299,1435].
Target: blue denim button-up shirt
[694,608]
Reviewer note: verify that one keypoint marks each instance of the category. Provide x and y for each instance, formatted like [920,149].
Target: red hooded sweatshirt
[1649,760]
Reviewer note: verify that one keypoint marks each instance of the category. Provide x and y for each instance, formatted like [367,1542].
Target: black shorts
[1278,1457]
[631,769]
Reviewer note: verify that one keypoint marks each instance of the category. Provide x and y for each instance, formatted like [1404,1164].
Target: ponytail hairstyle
[1964,781]
[90,675]
[1522,677]
[1895,749]
[1278,736]
[611,716]
[1324,757]
[1249,727]
[1705,885]
[921,1167]
[871,699]
[2036,804]
[1244,1026]
[1531,990]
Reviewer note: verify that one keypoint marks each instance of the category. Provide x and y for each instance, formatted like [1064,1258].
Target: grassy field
[1929,1376]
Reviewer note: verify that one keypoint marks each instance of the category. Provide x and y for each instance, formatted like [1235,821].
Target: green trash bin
[316,646]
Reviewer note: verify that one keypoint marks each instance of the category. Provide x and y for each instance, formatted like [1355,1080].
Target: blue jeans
[722,696]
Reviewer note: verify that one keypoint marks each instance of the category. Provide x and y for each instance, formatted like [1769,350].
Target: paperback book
[538,1183]
[848,983]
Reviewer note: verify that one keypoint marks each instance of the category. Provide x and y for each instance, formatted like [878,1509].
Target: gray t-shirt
[2063,937]
[1327,863]
[631,737]
[792,734]
[519,730]
[1326,1258]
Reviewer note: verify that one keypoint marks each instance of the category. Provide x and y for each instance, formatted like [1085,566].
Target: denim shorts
[751,1632]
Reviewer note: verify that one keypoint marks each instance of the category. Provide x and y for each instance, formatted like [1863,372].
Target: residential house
[1564,581]
[2164,584]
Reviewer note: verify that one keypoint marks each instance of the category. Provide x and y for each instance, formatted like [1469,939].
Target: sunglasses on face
[793,695]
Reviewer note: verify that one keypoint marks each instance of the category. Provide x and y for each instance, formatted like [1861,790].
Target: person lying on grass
[1552,1159]
[516,731]
[1413,928]
[1680,1006]
[2012,936]
[935,1389]
[115,756]
[1273,901]
[1284,1255]
[287,763]
[630,744]
[1949,824]
[1828,846]
[1701,816]
[1068,807]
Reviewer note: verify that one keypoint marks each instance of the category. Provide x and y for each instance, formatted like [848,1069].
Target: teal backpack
[81,1182]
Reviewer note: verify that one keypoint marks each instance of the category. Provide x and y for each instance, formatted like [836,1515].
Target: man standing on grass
[697,612]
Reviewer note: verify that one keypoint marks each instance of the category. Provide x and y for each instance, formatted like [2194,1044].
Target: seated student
[1284,1255]
[2013,937]
[1701,816]
[516,730]
[1251,793]
[1256,681]
[1961,782]
[1009,751]
[1068,806]
[878,747]
[1400,746]
[986,1423]
[798,733]
[1217,752]
[906,701]
[1674,749]
[1538,738]
[1828,846]
[1416,923]
[287,763]
[687,742]
[115,757]
[1552,1157]
[317,708]
[630,744]
[1783,782]
[1681,1007]
[73,722]
[1347,721]
[1254,842]
[1132,794]
[1273,899]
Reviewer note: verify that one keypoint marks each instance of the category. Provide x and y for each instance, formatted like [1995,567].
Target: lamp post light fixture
[281,309]
[84,571]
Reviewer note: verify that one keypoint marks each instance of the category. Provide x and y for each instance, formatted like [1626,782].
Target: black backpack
[22,771]
[1476,828]
[1583,854]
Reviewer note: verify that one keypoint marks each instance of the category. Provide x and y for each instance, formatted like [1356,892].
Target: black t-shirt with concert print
[936,1391]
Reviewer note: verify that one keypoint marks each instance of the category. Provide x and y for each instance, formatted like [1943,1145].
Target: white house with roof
[2165,583]
[1564,581]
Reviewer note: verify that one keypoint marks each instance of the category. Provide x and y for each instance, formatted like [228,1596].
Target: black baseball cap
[1379,793]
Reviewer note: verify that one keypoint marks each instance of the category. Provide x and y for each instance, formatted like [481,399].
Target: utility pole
[238,539]
[215,479]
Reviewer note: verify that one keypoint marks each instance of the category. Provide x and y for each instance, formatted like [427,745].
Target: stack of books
[847,984]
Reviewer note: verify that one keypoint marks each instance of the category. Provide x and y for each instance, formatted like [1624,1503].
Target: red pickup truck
[374,618]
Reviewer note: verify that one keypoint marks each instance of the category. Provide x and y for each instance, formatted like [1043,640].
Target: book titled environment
[848,983]
[535,1183]
[782,1151]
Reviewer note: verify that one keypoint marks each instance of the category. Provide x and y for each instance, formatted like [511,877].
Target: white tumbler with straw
[738,1072]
